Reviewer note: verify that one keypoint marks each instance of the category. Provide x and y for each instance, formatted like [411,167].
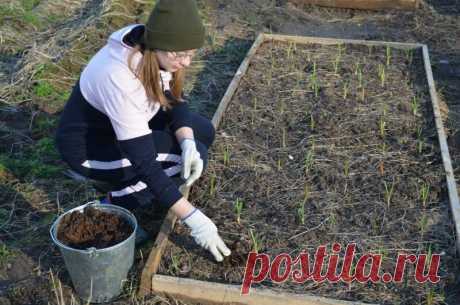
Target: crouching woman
[125,122]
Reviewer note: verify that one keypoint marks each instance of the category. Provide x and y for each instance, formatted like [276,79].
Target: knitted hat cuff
[174,41]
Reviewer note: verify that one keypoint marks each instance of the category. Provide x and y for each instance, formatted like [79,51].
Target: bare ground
[44,45]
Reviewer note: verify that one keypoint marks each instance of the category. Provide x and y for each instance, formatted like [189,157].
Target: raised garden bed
[323,141]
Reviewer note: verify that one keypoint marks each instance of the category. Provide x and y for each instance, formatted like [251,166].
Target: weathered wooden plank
[451,184]
[199,291]
[329,41]
[235,81]
[364,4]
[153,261]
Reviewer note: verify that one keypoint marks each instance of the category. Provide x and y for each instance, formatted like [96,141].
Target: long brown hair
[148,72]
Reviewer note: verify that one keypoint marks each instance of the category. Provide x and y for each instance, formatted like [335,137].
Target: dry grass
[45,43]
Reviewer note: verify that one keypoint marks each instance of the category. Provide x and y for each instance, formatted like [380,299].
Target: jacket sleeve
[142,154]
[129,112]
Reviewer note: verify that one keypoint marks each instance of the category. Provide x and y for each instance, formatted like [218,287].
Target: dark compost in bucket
[93,228]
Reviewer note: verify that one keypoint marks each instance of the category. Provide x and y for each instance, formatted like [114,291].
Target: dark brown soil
[93,228]
[355,154]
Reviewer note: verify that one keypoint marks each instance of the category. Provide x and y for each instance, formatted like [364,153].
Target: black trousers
[107,162]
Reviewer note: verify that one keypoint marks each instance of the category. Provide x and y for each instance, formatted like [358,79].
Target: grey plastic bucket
[98,274]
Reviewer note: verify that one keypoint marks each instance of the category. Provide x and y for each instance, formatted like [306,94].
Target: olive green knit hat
[174,25]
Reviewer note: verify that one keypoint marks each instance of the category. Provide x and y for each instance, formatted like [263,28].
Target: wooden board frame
[364,4]
[210,292]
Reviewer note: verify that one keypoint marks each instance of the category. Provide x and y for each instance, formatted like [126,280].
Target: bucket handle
[92,252]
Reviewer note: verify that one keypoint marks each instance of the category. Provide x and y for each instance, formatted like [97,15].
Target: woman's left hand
[192,164]
[204,232]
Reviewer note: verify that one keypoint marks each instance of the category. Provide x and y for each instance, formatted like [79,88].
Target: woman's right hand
[204,231]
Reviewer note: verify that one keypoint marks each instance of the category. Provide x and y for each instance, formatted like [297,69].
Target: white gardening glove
[204,232]
[192,164]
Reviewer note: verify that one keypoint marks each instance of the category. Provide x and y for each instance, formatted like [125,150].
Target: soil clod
[93,228]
